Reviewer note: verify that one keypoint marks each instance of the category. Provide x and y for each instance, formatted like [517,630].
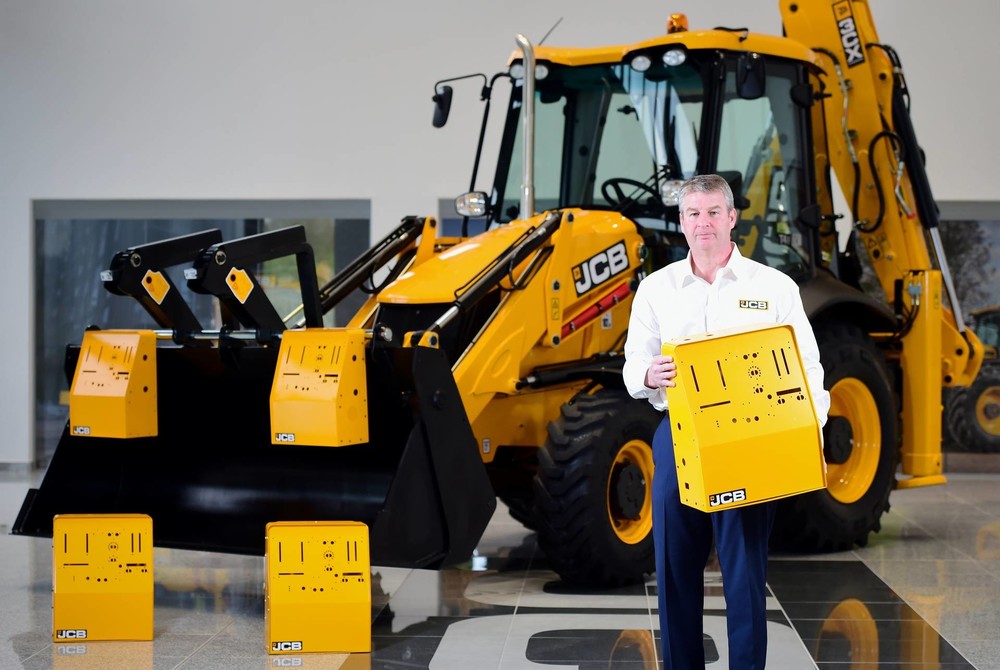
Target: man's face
[706,222]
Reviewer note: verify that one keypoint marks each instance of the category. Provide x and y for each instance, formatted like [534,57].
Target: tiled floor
[925,594]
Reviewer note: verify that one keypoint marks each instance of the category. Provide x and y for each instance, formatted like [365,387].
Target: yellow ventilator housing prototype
[102,577]
[114,387]
[744,427]
[319,396]
[317,595]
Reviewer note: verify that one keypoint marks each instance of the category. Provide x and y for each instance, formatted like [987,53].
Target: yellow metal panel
[319,395]
[318,589]
[102,577]
[240,283]
[114,388]
[744,427]
[156,285]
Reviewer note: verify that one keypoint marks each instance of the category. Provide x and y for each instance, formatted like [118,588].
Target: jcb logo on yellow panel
[286,646]
[78,634]
[284,437]
[727,498]
[849,38]
[753,304]
[599,268]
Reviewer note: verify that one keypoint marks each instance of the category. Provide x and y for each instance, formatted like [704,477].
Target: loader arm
[874,153]
[137,272]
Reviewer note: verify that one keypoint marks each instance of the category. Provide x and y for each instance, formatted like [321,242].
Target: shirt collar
[732,269]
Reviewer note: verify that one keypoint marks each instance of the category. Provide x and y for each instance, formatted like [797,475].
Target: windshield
[607,137]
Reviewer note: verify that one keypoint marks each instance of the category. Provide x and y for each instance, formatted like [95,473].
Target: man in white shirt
[699,294]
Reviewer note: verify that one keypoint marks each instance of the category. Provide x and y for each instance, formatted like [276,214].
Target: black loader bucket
[211,478]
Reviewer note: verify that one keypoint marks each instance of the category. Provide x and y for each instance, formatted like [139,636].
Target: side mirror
[442,105]
[750,76]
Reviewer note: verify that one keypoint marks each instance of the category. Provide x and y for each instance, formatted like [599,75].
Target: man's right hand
[661,372]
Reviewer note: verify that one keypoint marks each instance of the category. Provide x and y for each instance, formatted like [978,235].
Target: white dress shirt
[673,302]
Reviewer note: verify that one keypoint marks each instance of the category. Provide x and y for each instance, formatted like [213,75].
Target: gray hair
[707,183]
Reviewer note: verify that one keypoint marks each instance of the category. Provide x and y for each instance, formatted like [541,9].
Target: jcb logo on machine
[599,268]
[727,498]
[286,646]
[849,38]
[284,437]
[753,304]
[81,430]
[65,634]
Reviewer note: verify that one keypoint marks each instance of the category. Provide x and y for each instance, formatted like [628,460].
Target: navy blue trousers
[683,539]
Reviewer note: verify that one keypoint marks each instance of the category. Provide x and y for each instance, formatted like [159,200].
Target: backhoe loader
[972,414]
[488,366]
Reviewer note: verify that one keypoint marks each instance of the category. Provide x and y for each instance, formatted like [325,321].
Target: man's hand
[661,372]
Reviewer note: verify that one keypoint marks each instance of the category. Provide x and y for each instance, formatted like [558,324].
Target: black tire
[593,490]
[976,417]
[860,476]
[954,400]
[521,509]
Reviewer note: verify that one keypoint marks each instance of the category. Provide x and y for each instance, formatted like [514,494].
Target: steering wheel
[614,192]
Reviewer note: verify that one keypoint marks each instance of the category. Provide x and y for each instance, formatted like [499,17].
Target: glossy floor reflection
[924,594]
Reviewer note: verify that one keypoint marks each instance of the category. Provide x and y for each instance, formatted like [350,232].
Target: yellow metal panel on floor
[318,587]
[744,427]
[102,582]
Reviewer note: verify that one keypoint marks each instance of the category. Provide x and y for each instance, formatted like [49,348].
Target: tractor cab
[619,128]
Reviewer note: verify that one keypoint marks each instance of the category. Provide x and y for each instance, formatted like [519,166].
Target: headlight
[471,204]
[640,63]
[674,57]
[516,71]
[670,191]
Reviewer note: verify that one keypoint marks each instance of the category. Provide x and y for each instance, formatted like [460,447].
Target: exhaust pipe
[528,129]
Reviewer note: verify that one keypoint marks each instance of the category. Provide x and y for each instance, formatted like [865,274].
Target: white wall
[275,99]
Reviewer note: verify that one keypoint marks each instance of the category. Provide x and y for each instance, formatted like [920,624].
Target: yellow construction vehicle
[972,414]
[489,365]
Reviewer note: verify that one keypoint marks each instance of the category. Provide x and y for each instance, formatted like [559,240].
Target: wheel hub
[628,491]
[838,438]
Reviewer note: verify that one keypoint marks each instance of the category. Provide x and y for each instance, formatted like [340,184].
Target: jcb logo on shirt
[753,304]
[599,268]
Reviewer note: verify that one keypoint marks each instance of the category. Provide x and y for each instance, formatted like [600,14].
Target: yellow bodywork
[698,39]
[576,307]
[860,77]
[319,396]
[102,577]
[317,593]
[744,427]
[567,313]
[114,386]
